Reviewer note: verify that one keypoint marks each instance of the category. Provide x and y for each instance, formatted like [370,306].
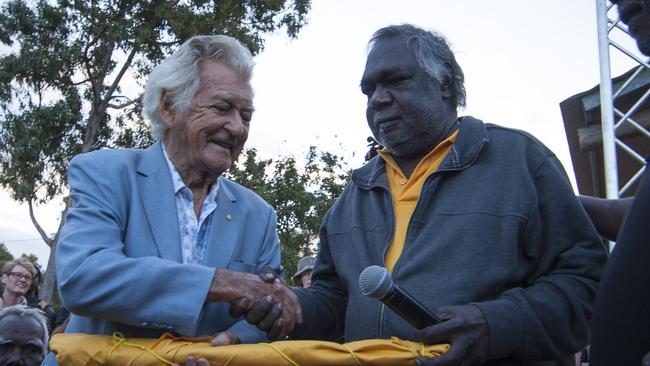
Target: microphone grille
[374,281]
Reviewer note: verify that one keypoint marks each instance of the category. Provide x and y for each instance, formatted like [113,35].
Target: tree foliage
[301,195]
[71,76]
[30,257]
[5,256]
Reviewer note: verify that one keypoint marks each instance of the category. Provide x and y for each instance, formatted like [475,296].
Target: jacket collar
[159,201]
[154,163]
[153,160]
[472,137]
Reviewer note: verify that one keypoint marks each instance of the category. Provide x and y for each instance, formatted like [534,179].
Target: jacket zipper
[383,257]
[415,211]
[417,205]
[408,230]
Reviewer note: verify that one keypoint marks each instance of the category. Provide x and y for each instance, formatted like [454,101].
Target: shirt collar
[388,157]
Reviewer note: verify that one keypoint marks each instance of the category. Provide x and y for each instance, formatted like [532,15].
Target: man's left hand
[465,329]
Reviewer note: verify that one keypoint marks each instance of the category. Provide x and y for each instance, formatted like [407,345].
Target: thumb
[267,274]
[225,338]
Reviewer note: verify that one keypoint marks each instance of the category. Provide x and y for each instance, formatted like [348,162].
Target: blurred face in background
[305,279]
[21,341]
[17,280]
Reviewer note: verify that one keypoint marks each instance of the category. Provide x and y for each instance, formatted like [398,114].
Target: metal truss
[614,121]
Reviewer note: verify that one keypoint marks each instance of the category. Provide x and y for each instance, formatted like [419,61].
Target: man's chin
[395,145]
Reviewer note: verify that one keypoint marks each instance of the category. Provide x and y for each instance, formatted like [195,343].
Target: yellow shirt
[405,192]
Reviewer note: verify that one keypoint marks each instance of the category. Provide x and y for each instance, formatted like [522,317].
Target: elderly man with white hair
[157,240]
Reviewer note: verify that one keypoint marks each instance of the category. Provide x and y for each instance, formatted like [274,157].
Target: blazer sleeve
[324,302]
[96,279]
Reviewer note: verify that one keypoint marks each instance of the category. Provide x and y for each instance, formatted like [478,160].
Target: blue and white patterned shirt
[194,233]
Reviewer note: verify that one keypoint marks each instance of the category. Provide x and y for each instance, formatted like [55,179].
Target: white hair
[22,311]
[178,75]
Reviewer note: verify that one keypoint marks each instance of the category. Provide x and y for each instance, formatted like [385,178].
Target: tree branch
[38,227]
[102,31]
[107,60]
[81,82]
[100,106]
[124,105]
[119,76]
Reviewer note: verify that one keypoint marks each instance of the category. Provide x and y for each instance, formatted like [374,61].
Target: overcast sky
[521,58]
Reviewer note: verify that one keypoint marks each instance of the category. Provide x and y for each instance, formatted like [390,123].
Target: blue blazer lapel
[224,235]
[159,202]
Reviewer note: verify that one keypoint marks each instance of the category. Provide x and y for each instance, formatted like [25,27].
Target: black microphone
[375,281]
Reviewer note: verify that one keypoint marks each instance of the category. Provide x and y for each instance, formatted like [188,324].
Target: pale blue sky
[521,58]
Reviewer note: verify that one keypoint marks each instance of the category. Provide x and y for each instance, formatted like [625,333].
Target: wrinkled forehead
[397,47]
[388,56]
[20,328]
[218,79]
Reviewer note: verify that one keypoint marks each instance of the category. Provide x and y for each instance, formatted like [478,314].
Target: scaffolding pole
[606,103]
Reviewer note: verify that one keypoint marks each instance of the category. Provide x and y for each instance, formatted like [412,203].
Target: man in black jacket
[477,221]
[621,319]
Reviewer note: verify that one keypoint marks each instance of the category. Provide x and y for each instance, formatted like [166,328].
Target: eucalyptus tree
[72,72]
[300,190]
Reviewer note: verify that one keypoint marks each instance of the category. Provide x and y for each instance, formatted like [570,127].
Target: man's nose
[380,97]
[235,125]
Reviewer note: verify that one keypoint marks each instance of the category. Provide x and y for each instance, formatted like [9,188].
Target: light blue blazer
[118,260]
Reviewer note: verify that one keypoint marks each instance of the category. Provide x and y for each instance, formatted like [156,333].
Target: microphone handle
[409,308]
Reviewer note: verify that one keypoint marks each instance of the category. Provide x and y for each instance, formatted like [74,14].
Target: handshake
[264,299]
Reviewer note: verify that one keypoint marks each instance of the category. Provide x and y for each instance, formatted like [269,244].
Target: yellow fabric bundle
[102,350]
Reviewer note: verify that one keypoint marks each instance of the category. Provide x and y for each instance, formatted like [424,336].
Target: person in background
[17,278]
[61,320]
[157,240]
[621,318]
[18,273]
[476,221]
[23,336]
[34,299]
[302,278]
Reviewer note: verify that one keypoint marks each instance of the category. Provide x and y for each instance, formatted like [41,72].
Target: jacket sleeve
[548,316]
[96,279]
[268,256]
[324,302]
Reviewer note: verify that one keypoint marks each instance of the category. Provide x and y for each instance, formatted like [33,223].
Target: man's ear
[166,110]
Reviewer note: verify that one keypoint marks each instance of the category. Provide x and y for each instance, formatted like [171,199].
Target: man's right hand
[265,299]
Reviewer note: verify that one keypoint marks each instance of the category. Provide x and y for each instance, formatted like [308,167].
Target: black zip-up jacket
[498,225]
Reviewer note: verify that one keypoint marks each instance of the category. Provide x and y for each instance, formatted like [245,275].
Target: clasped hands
[246,293]
[265,295]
